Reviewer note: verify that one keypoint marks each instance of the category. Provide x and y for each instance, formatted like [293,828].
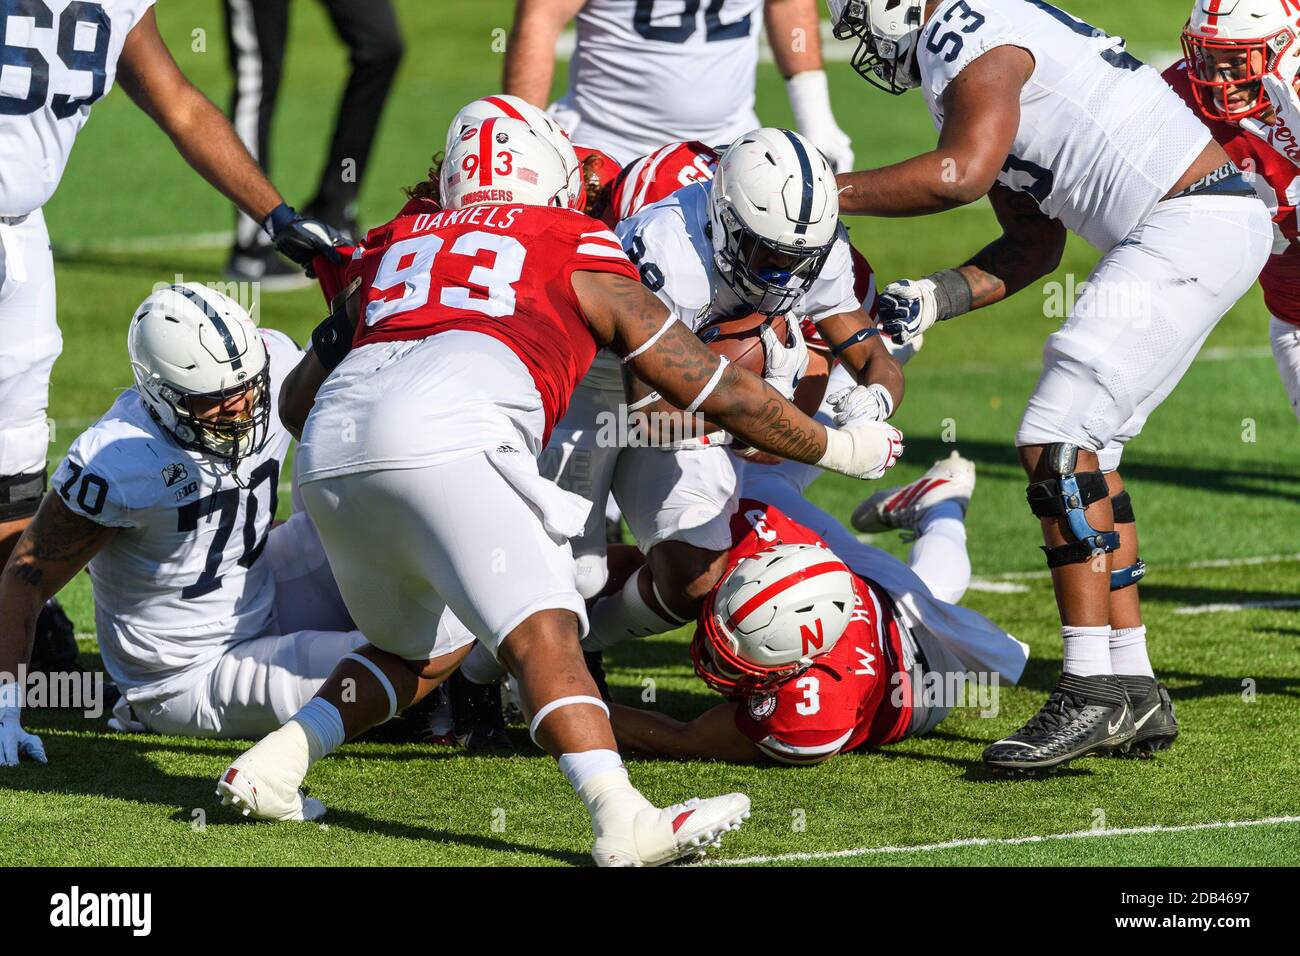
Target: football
[738,339]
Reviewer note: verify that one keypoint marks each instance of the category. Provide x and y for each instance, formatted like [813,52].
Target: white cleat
[263,782]
[951,479]
[655,837]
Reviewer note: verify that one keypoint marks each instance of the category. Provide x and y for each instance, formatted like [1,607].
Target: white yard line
[1177,566]
[199,240]
[1000,841]
[1242,606]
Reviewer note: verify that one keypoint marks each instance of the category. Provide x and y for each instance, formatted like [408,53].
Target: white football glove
[907,309]
[862,449]
[14,741]
[810,101]
[784,365]
[870,402]
[1284,133]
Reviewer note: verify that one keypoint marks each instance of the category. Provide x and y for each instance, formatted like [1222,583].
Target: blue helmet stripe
[236,363]
[806,175]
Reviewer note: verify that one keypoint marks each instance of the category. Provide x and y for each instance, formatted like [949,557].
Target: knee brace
[1121,505]
[1066,495]
[20,496]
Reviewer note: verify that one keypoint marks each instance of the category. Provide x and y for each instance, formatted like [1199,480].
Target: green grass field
[1215,480]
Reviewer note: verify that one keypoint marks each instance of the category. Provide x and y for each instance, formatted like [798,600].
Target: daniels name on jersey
[1102,138]
[60,58]
[182,579]
[670,246]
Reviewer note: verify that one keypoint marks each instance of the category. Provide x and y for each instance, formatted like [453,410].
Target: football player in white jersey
[1064,130]
[645,73]
[211,621]
[60,58]
[763,237]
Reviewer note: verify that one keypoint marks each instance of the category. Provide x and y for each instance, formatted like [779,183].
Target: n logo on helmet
[810,640]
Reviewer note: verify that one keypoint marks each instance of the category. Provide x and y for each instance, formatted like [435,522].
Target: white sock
[601,782]
[1128,651]
[625,615]
[1086,650]
[939,555]
[322,724]
[480,667]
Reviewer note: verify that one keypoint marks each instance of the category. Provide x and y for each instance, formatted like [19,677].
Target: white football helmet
[188,342]
[507,161]
[505,106]
[771,616]
[888,32]
[1231,45]
[774,210]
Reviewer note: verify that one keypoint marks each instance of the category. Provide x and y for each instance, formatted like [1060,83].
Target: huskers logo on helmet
[507,161]
[193,351]
[1230,47]
[772,615]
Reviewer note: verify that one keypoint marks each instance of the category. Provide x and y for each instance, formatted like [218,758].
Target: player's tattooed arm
[666,354]
[1029,248]
[530,49]
[981,109]
[298,392]
[869,361]
[711,736]
[55,546]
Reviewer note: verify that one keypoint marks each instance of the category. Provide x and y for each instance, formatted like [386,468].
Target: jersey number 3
[70,47]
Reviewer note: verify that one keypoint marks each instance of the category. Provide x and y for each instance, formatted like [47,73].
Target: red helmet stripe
[509,110]
[485,152]
[784,584]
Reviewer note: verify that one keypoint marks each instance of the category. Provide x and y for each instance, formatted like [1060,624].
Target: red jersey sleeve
[594,248]
[334,276]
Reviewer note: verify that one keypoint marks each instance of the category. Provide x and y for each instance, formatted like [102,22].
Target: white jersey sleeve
[668,243]
[60,57]
[647,72]
[833,292]
[1102,137]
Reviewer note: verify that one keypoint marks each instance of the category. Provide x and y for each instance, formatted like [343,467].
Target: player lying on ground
[823,650]
[211,621]
[1240,70]
[763,236]
[61,58]
[419,465]
[1063,129]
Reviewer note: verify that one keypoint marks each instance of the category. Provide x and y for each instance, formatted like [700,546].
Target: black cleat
[1082,716]
[54,651]
[477,719]
[1153,714]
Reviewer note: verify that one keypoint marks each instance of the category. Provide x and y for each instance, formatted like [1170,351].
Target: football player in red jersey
[1240,71]
[418,464]
[815,656]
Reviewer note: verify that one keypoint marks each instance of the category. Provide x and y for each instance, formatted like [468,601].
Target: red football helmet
[1231,45]
[771,616]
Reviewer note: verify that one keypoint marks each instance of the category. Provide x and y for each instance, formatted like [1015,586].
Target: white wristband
[810,99]
[839,451]
[710,387]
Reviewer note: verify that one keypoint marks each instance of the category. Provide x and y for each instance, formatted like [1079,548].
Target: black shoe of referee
[1153,714]
[1082,716]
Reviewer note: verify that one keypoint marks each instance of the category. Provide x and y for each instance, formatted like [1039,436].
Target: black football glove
[302,239]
